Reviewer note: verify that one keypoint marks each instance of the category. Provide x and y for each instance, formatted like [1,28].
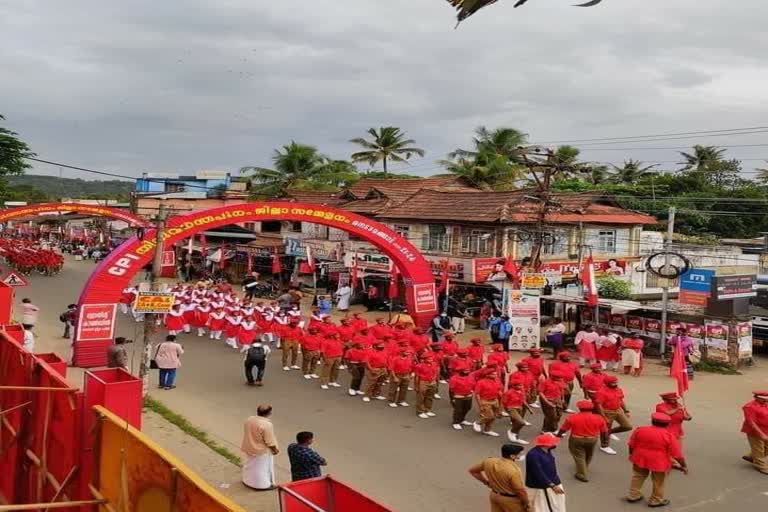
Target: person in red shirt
[609,402]
[461,389]
[476,352]
[535,362]
[327,326]
[499,357]
[593,381]
[345,330]
[310,353]
[332,349]
[570,372]
[755,426]
[418,340]
[365,338]
[586,429]
[426,372]
[290,337]
[379,329]
[551,392]
[356,357]
[376,372]
[487,394]
[513,402]
[448,348]
[460,362]
[358,322]
[400,369]
[677,412]
[652,449]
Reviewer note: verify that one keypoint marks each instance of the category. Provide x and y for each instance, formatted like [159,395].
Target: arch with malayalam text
[86,209]
[102,291]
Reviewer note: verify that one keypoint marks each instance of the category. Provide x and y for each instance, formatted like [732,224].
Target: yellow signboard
[534,281]
[153,302]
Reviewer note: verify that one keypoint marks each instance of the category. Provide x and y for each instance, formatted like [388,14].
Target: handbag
[153,361]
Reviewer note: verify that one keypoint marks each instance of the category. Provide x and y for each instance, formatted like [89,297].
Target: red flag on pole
[203,248]
[277,268]
[394,291]
[588,279]
[512,271]
[678,370]
[249,260]
[444,278]
[353,277]
[223,260]
[310,260]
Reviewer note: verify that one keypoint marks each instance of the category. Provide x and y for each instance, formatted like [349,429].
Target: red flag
[353,279]
[203,248]
[678,370]
[249,261]
[444,278]
[277,268]
[310,260]
[394,291]
[223,260]
[588,280]
[512,271]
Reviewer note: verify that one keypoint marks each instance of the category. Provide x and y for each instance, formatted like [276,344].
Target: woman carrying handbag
[168,360]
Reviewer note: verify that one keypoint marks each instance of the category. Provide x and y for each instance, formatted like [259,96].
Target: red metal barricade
[117,390]
[325,494]
[56,363]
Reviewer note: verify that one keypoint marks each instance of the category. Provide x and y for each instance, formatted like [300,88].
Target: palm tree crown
[701,158]
[631,171]
[388,143]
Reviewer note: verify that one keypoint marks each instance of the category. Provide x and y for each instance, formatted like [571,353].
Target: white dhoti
[545,500]
[259,471]
[630,358]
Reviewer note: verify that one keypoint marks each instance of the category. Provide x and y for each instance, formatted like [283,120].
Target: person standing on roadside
[68,318]
[544,487]
[504,479]
[168,359]
[117,355]
[305,462]
[260,447]
[29,312]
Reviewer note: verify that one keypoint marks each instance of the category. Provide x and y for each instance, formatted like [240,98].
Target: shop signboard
[570,269]
[696,287]
[368,261]
[744,339]
[618,321]
[457,268]
[524,315]
[96,322]
[716,339]
[154,302]
[735,287]
[483,268]
[653,328]
[534,281]
[635,323]
[695,333]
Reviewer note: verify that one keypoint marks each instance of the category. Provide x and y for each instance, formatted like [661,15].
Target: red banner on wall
[424,297]
[97,322]
[635,323]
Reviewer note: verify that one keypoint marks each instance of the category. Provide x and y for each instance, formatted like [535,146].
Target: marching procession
[401,365]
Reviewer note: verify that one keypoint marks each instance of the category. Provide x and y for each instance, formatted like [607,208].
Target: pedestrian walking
[487,393]
[343,297]
[609,402]
[586,430]
[376,372]
[461,389]
[117,355]
[755,426]
[305,461]
[310,353]
[551,398]
[68,318]
[426,373]
[168,359]
[545,490]
[400,368]
[331,348]
[29,312]
[256,356]
[556,336]
[260,447]
[652,449]
[677,412]
[571,373]
[290,337]
[504,479]
[514,403]
[28,341]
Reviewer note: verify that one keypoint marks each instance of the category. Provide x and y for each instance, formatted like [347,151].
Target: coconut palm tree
[631,171]
[486,170]
[299,166]
[701,157]
[388,143]
[501,141]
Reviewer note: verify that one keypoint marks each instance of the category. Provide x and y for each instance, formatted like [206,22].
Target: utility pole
[665,288]
[149,320]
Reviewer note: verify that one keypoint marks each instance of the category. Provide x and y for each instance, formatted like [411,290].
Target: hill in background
[53,188]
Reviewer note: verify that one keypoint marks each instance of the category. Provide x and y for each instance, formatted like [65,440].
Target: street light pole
[149,320]
[665,288]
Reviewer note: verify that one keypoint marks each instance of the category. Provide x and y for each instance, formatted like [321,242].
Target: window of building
[296,226]
[436,239]
[476,241]
[403,230]
[271,226]
[171,187]
[250,226]
[606,241]
[557,244]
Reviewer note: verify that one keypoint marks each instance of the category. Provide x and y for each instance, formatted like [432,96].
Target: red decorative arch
[99,211]
[102,291]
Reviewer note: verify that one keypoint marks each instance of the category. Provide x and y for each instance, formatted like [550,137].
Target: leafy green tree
[13,152]
[631,172]
[701,157]
[508,142]
[611,287]
[487,170]
[387,144]
[299,166]
[762,174]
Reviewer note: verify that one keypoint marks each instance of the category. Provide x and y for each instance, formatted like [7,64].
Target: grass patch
[715,367]
[188,428]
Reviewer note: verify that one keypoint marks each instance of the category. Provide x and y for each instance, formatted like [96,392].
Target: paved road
[419,465]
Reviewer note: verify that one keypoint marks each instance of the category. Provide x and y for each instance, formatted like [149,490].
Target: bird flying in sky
[467,8]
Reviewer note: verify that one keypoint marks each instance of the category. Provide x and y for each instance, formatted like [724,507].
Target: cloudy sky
[175,86]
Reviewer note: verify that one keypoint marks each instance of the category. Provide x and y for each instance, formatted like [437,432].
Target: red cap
[564,355]
[462,351]
[661,417]
[761,393]
[585,405]
[475,340]
[498,347]
[535,350]
[546,440]
[595,366]
[520,364]
[610,379]
[670,395]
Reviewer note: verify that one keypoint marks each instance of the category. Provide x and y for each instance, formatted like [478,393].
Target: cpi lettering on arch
[117,270]
[86,209]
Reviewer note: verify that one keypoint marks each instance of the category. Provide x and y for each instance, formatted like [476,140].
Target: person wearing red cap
[400,368]
[425,372]
[376,372]
[418,340]
[311,342]
[535,362]
[461,389]
[476,351]
[677,412]
[652,449]
[586,429]
[541,478]
[593,381]
[609,402]
[755,426]
[551,396]
[460,362]
[570,371]
[513,402]
[380,329]
[487,394]
[332,348]
[356,357]
[290,337]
